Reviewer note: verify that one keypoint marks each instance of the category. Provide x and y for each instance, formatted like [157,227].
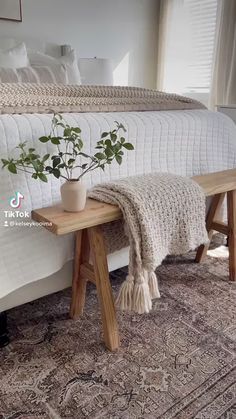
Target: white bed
[33,262]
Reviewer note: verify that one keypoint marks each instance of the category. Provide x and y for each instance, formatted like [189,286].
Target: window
[189,47]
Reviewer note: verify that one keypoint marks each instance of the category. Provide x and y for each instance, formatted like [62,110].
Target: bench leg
[231,205]
[78,283]
[213,214]
[86,241]
[110,327]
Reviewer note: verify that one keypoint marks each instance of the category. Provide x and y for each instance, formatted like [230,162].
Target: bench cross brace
[214,224]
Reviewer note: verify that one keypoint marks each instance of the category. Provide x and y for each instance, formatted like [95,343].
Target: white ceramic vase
[73,196]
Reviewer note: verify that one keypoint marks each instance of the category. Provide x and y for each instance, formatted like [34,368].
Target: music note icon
[15,201]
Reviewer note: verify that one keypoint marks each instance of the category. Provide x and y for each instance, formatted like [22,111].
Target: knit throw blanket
[163,214]
[45,98]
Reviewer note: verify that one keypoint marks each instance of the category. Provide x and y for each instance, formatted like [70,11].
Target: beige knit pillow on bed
[34,74]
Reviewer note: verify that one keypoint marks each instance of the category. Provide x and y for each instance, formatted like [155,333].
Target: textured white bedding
[183,142]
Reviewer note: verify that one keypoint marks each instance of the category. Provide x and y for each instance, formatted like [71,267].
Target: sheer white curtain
[164,12]
[197,49]
[223,88]
[186,47]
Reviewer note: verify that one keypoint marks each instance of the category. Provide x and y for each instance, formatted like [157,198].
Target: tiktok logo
[15,201]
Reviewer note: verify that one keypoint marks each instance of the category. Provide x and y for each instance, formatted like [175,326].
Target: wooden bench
[89,242]
[219,185]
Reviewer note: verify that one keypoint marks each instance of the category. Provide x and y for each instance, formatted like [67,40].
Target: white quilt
[183,142]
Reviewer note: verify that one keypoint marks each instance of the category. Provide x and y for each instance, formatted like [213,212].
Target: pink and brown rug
[177,362]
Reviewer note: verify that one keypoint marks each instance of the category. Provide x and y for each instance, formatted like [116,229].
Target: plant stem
[89,169]
[25,171]
[64,161]
[58,148]
[64,177]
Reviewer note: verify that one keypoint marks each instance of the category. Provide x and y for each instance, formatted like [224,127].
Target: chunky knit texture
[163,214]
[45,98]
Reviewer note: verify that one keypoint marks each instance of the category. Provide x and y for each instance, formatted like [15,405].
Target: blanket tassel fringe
[153,285]
[142,302]
[125,296]
[137,296]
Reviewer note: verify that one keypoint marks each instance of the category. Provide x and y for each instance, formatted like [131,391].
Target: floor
[177,362]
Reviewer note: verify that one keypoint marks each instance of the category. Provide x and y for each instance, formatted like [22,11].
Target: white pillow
[15,57]
[71,63]
[69,60]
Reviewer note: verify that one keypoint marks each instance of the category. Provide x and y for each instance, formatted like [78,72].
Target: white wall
[123,30]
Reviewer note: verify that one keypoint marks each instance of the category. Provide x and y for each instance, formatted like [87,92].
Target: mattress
[186,142]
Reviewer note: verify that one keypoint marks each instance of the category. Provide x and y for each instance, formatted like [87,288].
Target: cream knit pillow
[35,74]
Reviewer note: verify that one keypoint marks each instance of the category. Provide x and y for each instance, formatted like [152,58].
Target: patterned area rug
[177,362]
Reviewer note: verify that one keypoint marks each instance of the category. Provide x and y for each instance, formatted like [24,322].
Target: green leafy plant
[69,153]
